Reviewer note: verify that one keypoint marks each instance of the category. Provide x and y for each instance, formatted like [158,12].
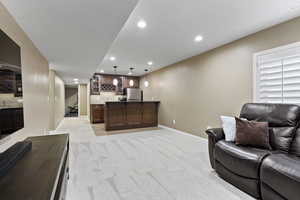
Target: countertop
[10,107]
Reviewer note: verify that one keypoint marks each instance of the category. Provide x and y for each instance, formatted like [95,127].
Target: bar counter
[120,115]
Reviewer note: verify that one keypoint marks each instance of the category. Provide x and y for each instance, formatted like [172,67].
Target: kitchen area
[117,102]
[11,92]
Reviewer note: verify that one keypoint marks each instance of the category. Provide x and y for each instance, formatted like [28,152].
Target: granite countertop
[10,107]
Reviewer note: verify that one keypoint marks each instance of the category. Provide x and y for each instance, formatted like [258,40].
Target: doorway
[71,101]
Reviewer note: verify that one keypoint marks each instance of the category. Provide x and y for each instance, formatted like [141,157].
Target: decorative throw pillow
[229,128]
[252,133]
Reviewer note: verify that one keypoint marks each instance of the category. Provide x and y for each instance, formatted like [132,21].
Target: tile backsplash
[103,97]
[10,100]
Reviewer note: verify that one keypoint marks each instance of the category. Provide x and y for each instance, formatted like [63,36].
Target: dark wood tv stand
[41,174]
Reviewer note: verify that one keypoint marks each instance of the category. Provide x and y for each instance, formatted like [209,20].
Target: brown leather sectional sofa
[264,174]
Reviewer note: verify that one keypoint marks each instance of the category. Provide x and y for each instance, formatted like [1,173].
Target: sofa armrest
[217,133]
[214,135]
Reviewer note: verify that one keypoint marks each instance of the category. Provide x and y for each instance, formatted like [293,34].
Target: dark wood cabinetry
[10,82]
[126,115]
[134,113]
[106,79]
[97,113]
[11,120]
[18,86]
[104,83]
[149,113]
[95,85]
[7,81]
[127,79]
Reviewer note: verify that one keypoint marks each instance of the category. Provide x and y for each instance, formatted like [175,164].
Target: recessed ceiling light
[141,24]
[112,58]
[101,71]
[198,38]
[76,79]
[150,63]
[129,73]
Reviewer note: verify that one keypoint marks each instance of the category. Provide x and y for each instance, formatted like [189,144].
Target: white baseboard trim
[181,132]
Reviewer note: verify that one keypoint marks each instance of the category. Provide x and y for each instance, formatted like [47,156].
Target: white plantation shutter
[278,75]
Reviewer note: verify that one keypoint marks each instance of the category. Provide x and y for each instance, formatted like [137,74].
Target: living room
[175,100]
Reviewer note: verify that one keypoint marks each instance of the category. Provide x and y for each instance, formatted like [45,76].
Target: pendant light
[131,82]
[146,83]
[130,70]
[115,81]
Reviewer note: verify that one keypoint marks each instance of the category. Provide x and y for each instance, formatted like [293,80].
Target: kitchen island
[130,114]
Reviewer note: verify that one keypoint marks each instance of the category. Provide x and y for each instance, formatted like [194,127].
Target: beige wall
[82,99]
[56,99]
[196,91]
[89,101]
[59,100]
[35,70]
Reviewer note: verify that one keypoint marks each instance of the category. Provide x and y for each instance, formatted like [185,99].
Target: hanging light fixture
[130,70]
[115,81]
[131,82]
[146,83]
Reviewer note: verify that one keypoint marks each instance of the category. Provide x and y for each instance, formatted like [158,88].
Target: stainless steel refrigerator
[133,94]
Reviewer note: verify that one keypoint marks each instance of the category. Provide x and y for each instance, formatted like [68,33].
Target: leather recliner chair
[264,174]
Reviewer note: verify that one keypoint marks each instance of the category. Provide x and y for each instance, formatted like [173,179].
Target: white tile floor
[148,165]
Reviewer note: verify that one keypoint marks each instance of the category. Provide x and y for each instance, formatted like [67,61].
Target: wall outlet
[174,121]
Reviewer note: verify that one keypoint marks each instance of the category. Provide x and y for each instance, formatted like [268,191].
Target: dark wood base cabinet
[97,113]
[127,115]
[11,120]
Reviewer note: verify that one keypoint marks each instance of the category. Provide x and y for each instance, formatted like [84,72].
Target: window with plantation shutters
[277,75]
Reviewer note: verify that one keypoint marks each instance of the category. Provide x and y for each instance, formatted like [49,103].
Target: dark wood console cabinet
[41,174]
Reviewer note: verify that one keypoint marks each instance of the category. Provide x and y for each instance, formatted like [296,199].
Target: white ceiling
[173,24]
[77,37]
[74,35]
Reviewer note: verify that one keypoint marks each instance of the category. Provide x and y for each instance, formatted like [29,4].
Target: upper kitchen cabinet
[7,81]
[106,79]
[10,51]
[131,82]
[95,85]
[105,83]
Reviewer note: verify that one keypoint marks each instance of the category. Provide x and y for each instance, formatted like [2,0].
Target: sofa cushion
[281,172]
[295,147]
[282,119]
[243,161]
